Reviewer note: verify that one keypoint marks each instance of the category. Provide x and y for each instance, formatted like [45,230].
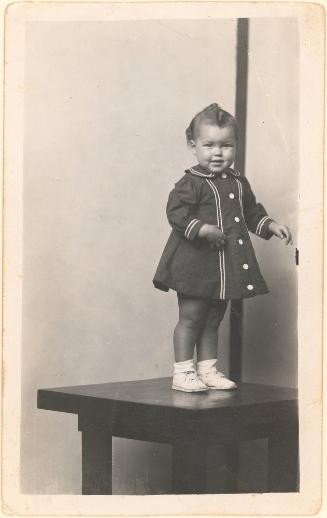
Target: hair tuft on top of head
[212,114]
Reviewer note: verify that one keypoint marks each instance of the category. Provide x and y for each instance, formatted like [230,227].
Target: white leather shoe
[188,381]
[216,380]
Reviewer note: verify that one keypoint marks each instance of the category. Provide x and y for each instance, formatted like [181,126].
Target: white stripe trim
[221,268]
[260,224]
[221,252]
[202,175]
[217,197]
[190,226]
[216,200]
[224,270]
[240,195]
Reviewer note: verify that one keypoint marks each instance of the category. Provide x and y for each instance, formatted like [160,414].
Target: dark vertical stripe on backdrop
[241,89]
[236,314]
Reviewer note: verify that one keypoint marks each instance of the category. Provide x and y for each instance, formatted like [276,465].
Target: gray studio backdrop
[106,107]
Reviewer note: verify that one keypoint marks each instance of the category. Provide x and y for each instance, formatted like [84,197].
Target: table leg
[232,468]
[222,469]
[283,462]
[96,462]
[189,467]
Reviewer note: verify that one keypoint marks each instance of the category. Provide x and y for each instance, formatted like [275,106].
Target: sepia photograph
[162,258]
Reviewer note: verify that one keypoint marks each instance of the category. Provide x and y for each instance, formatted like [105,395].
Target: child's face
[214,147]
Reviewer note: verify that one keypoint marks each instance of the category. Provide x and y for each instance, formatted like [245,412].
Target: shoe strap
[192,373]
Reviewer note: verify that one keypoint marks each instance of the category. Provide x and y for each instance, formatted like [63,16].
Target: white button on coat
[237,219]
[250,287]
[240,241]
[232,196]
[245,266]
[224,175]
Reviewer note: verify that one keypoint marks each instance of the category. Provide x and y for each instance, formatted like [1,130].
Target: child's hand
[281,231]
[213,235]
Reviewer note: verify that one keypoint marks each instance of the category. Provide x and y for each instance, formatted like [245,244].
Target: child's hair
[212,114]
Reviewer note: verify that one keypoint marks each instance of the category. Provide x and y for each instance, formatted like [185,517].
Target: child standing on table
[209,258]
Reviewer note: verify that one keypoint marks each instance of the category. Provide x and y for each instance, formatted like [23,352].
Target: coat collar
[202,173]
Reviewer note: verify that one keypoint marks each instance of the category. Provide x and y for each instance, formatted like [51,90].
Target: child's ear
[191,146]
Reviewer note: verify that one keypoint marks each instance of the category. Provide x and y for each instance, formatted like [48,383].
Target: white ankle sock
[187,365]
[206,366]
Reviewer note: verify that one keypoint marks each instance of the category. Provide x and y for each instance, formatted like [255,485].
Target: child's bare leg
[192,315]
[207,342]
[207,350]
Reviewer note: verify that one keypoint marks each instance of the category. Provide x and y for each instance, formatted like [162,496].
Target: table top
[158,393]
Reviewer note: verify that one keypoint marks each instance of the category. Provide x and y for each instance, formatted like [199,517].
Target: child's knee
[191,324]
[192,319]
[192,312]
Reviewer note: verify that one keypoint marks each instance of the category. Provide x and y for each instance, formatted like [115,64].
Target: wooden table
[149,410]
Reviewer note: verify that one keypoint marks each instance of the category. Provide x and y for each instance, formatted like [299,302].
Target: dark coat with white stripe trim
[188,265]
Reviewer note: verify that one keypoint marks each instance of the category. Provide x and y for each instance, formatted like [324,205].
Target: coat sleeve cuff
[193,228]
[262,229]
